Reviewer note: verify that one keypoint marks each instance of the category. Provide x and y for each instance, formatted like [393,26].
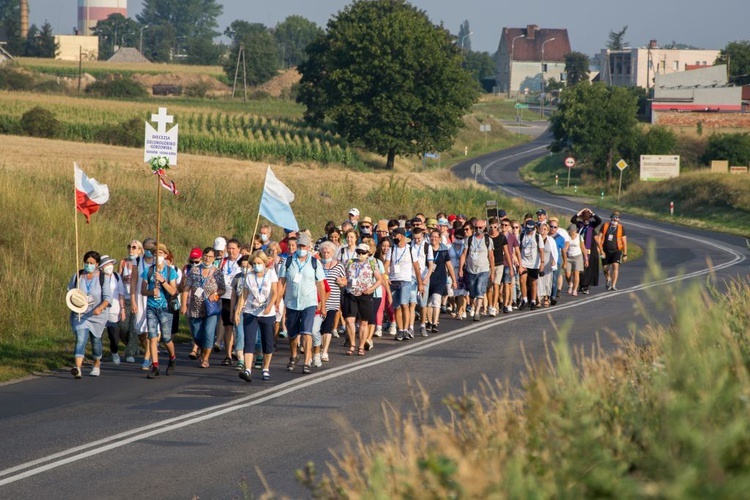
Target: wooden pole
[75,218]
[619,189]
[244,76]
[80,66]
[158,211]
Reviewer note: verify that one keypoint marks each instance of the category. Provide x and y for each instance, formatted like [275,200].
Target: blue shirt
[169,275]
[304,293]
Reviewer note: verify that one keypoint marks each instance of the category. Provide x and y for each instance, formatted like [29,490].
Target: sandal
[350,351]
[193,355]
[266,375]
[204,364]
[360,352]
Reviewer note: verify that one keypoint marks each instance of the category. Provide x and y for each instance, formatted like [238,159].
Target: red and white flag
[166,182]
[90,195]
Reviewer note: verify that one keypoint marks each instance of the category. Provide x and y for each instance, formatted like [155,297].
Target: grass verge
[719,202]
[665,416]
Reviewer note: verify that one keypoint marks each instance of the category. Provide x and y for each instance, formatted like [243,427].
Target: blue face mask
[89,268]
[301,253]
[148,254]
[325,261]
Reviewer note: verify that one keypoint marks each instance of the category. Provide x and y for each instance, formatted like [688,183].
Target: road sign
[476,169]
[570,162]
[160,141]
[432,155]
[485,128]
[521,106]
[622,165]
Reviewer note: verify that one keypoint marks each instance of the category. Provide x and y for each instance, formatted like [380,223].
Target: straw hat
[77,301]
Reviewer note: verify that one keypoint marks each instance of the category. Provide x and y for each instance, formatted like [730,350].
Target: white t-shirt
[401,268]
[259,293]
[117,289]
[531,247]
[574,249]
[418,254]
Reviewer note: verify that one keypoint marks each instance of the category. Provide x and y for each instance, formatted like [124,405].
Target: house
[4,55]
[525,55]
[704,90]
[638,67]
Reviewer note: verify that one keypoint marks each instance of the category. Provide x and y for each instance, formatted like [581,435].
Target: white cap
[354,212]
[220,244]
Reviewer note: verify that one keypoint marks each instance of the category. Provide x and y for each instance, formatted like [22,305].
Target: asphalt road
[208,434]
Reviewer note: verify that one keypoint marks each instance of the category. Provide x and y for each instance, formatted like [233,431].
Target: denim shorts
[507,278]
[159,318]
[300,322]
[401,295]
[478,284]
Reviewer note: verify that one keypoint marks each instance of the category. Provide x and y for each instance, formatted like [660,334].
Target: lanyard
[419,246]
[87,283]
[398,259]
[300,267]
[262,283]
[228,270]
[476,244]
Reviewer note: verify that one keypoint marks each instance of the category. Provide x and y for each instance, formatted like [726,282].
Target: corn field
[215,133]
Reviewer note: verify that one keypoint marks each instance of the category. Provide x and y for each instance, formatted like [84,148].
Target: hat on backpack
[77,301]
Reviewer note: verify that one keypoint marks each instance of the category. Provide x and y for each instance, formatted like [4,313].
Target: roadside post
[570,162]
[622,165]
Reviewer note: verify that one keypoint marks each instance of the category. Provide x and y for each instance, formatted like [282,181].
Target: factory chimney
[24,18]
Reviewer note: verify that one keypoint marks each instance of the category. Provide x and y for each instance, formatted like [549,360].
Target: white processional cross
[162,119]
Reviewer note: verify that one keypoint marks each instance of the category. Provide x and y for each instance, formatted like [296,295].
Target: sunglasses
[361,252]
[553,227]
[516,227]
[478,228]
[493,227]
[132,247]
[195,262]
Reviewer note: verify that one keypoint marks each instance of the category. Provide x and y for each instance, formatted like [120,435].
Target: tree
[293,35]
[736,55]
[617,39]
[10,15]
[576,68]
[116,30]
[595,122]
[387,79]
[480,65]
[203,51]
[185,20]
[261,52]
[40,43]
[735,148]
[464,37]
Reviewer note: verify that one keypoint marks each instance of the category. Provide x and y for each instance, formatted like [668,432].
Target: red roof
[529,48]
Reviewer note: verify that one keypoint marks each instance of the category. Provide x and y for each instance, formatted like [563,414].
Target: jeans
[204,331]
[239,335]
[157,318]
[477,284]
[82,336]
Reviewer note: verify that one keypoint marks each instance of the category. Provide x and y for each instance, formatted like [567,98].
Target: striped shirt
[335,272]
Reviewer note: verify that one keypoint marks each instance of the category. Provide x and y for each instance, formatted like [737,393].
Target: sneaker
[369,345]
[217,348]
[266,375]
[585,291]
[609,285]
[282,334]
[246,376]
[129,359]
[317,362]
[477,316]
[116,359]
[423,330]
[401,335]
[410,333]
[240,366]
[613,288]
[378,331]
[154,373]
[532,306]
[306,369]
[324,357]
[392,329]
[146,365]
[553,302]
[434,328]
[227,362]
[170,366]
[493,312]
[95,372]
[463,315]
[290,365]
[507,309]
[76,372]
[523,305]
[258,362]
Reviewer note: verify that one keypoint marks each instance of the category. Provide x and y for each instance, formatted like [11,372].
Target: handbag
[213,308]
[173,304]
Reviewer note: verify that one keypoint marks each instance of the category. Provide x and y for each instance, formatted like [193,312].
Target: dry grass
[38,64]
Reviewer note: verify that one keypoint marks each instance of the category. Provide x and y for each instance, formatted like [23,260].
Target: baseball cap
[501,213]
[399,230]
[195,253]
[303,240]
[529,225]
[615,215]
[364,246]
[541,211]
[354,212]
[443,222]
[220,244]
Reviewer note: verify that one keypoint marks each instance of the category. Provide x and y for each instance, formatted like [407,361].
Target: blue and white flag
[275,204]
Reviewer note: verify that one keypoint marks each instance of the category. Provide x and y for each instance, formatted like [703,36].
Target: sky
[704,24]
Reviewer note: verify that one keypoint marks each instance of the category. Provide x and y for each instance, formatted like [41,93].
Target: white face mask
[108,270]
[263,237]
[258,268]
[160,260]
[302,253]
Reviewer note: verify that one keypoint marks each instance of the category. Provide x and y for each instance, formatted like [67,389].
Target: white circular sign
[570,162]
[476,169]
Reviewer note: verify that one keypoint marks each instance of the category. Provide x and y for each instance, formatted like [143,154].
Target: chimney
[530,30]
[24,18]
[652,44]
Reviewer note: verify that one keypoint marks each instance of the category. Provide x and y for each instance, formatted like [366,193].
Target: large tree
[737,56]
[10,25]
[576,68]
[387,79]
[293,35]
[116,31]
[595,123]
[464,36]
[480,65]
[184,20]
[40,42]
[261,53]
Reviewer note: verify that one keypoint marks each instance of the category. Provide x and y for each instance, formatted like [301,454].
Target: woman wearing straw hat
[88,302]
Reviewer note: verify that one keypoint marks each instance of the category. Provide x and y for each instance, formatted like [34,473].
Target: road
[207,434]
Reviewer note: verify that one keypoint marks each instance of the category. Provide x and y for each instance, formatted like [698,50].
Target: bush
[40,122]
[129,133]
[121,87]
[197,89]
[13,79]
[734,148]
[50,87]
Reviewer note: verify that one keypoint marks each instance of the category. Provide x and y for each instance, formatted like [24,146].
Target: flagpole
[75,218]
[158,211]
[257,221]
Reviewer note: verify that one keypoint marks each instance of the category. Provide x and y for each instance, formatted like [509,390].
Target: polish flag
[166,182]
[90,195]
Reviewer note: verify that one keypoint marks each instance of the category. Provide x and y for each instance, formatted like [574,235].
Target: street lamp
[544,71]
[510,66]
[461,44]
[140,39]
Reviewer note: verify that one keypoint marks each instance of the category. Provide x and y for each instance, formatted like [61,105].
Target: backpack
[102,277]
[538,240]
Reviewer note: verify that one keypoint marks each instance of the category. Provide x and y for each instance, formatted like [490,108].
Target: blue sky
[706,24]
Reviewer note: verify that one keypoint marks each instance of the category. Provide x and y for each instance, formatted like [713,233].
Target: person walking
[401,268]
[128,271]
[576,262]
[532,263]
[477,261]
[116,309]
[587,222]
[613,245]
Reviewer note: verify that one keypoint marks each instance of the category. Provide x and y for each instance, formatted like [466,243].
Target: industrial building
[91,12]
